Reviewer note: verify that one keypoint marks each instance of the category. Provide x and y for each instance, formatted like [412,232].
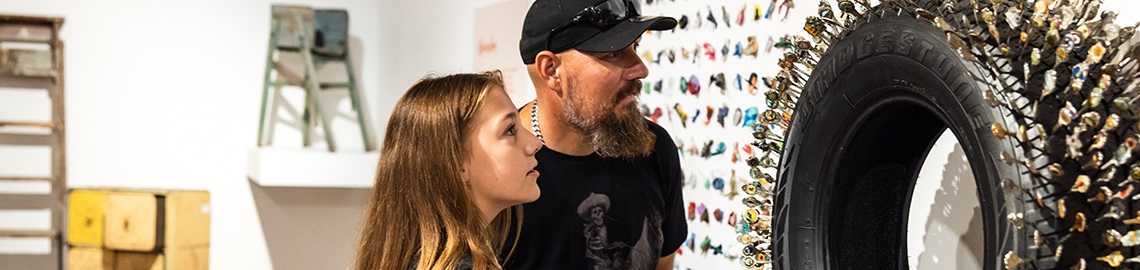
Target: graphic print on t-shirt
[601,253]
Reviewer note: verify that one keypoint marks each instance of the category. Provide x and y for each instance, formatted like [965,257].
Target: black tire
[863,126]
[889,85]
[1057,185]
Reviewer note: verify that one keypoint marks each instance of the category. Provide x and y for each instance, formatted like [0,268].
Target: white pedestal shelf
[283,167]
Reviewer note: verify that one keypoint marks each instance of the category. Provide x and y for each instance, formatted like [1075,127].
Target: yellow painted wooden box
[130,229]
[86,209]
[149,221]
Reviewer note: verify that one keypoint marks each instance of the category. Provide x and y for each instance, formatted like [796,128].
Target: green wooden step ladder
[320,37]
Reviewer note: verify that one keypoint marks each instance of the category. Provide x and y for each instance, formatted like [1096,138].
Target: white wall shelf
[315,168]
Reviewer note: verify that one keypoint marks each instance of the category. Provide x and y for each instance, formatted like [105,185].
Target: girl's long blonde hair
[421,212]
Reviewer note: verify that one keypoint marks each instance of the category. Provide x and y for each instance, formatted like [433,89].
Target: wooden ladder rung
[28,201]
[27,28]
[51,233]
[11,138]
[280,84]
[290,78]
[24,82]
[26,124]
[24,178]
[335,85]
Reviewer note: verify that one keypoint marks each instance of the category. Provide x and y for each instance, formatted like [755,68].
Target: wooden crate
[187,219]
[126,260]
[85,218]
[138,229]
[134,221]
[139,220]
[188,258]
[90,258]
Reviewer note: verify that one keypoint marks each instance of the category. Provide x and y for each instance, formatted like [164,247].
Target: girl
[453,159]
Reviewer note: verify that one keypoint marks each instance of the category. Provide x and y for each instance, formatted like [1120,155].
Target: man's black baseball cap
[545,16]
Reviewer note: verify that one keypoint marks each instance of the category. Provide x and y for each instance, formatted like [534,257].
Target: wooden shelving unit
[38,68]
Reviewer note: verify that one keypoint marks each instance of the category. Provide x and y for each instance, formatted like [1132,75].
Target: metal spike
[1011,260]
[1061,208]
[1017,219]
[1081,185]
[1037,239]
[1078,223]
[1133,221]
[1113,259]
[1013,17]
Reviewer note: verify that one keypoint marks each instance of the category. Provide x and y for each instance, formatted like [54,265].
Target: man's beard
[612,135]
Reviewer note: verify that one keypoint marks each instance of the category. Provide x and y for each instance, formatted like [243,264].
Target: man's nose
[636,71]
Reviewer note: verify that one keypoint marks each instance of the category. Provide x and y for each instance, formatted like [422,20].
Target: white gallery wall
[165,94]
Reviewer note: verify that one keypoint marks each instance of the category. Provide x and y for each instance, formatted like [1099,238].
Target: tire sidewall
[891,57]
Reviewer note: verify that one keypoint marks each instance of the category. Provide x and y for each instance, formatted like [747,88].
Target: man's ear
[547,64]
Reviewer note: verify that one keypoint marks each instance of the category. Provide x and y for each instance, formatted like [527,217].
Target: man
[611,180]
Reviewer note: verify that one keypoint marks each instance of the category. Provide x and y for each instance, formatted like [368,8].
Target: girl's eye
[614,54]
[511,130]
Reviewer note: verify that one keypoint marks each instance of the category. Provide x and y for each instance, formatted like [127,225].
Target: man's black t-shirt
[603,213]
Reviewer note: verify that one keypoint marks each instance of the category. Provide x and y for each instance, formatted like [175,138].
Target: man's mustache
[630,89]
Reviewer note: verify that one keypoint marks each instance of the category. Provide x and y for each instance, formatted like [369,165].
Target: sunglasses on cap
[605,14]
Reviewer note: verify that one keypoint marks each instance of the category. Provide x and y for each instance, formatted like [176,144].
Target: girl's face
[500,164]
